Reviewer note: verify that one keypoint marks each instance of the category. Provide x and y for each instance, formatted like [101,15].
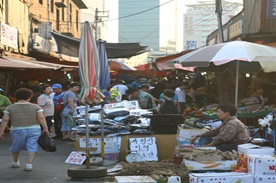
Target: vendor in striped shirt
[229,135]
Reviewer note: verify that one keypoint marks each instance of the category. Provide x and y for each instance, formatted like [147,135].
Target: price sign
[76,158]
[112,144]
[146,147]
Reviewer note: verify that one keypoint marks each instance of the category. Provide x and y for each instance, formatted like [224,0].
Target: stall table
[250,118]
[165,144]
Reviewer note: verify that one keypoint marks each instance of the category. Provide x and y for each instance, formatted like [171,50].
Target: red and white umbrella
[89,74]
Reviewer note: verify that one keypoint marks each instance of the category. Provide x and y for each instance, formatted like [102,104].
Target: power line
[138,12]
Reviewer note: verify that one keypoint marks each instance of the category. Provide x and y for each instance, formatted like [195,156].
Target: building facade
[201,19]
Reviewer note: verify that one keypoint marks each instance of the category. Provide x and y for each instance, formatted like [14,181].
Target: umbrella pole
[102,131]
[237,83]
[87,137]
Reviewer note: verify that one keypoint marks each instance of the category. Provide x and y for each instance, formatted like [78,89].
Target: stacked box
[228,177]
[263,168]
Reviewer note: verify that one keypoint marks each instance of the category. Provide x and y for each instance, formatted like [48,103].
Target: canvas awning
[68,48]
[15,63]
[161,63]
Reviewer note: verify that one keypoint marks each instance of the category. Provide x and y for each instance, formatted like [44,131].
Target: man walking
[57,99]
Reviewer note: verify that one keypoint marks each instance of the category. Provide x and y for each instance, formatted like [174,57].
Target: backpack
[59,104]
[168,107]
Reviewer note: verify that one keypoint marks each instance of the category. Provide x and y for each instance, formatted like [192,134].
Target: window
[40,1]
[77,19]
[62,12]
[57,18]
[70,12]
[52,6]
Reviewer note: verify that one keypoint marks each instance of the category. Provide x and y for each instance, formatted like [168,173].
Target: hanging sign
[9,36]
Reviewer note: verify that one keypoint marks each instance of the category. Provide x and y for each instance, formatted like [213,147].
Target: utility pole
[219,13]
[98,18]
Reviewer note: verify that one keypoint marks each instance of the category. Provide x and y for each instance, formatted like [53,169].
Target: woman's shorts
[25,139]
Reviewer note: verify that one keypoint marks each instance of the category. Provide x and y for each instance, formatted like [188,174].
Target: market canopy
[161,63]
[12,63]
[68,48]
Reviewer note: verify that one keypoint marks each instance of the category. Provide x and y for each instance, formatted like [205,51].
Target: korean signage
[235,29]
[9,36]
[45,29]
[271,9]
[76,158]
[145,147]
[112,144]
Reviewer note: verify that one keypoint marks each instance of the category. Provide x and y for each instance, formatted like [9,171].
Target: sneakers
[29,167]
[15,164]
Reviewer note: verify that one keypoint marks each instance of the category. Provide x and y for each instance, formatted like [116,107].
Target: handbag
[47,143]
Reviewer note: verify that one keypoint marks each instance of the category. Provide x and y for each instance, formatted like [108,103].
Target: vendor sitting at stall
[229,135]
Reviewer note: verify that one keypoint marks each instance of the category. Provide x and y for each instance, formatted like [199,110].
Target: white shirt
[180,94]
[121,89]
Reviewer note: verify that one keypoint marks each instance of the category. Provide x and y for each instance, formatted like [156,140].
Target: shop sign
[191,45]
[235,29]
[42,44]
[9,36]
[271,9]
[45,29]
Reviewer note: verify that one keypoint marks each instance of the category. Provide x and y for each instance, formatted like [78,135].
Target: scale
[133,156]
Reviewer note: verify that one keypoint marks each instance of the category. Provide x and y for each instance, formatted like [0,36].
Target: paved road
[47,167]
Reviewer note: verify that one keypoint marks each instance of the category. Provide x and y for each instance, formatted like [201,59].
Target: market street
[47,167]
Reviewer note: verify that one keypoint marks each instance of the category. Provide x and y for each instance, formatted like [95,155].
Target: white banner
[9,36]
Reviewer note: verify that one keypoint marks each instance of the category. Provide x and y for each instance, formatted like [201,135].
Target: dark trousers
[48,122]
[58,124]
[182,106]
[223,147]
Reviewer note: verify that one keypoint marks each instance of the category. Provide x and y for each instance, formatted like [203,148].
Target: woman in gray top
[26,119]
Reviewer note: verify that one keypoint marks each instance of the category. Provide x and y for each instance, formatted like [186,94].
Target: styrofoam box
[265,179]
[227,177]
[261,166]
[134,179]
[252,149]
[210,165]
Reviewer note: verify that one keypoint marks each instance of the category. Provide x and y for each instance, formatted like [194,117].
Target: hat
[1,90]
[55,86]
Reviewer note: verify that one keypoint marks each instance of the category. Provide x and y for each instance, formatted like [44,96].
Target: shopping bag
[47,143]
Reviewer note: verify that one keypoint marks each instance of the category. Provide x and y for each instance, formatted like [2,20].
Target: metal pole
[102,130]
[237,83]
[87,137]
[219,12]
[96,24]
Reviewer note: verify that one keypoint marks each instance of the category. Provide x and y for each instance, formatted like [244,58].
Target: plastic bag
[70,120]
[47,143]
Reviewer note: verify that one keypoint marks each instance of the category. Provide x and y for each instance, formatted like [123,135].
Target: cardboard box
[261,166]
[210,165]
[228,177]
[252,149]
[265,179]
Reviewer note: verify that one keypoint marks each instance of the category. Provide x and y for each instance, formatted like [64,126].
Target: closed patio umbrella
[89,74]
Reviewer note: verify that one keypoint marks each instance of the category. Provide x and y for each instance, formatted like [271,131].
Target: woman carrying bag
[26,119]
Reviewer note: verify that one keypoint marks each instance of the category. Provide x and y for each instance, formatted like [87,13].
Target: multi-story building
[30,23]
[200,20]
[152,23]
[155,24]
